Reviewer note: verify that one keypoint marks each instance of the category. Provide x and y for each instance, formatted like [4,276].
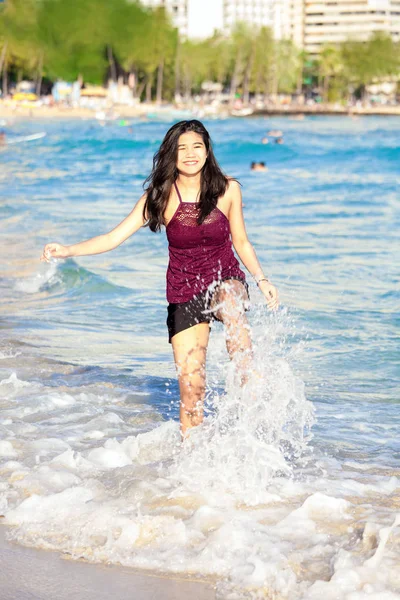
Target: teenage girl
[201,210]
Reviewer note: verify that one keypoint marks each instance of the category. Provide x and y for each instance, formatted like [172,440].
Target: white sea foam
[7,449]
[259,552]
[34,283]
[6,353]
[13,383]
[243,499]
[12,387]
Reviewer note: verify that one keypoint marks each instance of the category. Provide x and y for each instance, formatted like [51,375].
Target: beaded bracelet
[257,280]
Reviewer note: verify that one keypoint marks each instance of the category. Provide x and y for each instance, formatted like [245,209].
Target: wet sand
[30,574]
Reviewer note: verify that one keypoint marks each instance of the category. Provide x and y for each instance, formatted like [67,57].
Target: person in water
[258,166]
[201,210]
[275,133]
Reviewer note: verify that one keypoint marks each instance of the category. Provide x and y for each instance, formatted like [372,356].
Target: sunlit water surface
[290,489]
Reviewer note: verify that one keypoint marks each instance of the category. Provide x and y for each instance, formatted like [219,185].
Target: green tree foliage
[330,69]
[100,39]
[220,52]
[85,38]
[66,34]
[17,32]
[245,63]
[288,61]
[196,64]
[262,67]
[365,62]
[158,48]
[353,65]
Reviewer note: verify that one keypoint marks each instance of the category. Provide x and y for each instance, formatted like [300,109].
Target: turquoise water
[85,340]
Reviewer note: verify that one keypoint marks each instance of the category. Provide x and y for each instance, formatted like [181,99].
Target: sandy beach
[64,112]
[30,574]
[8,111]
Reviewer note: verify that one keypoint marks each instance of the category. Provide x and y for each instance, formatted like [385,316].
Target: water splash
[253,432]
[38,281]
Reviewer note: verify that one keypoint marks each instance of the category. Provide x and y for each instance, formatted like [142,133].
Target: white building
[178,9]
[199,19]
[194,19]
[287,18]
[204,18]
[295,22]
[257,13]
[335,21]
[310,24]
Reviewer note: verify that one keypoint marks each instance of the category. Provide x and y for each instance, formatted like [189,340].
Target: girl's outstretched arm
[102,243]
[244,248]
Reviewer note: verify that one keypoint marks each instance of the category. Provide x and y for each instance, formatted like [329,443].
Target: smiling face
[192,154]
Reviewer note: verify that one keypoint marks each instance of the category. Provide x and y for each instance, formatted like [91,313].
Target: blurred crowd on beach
[116,98]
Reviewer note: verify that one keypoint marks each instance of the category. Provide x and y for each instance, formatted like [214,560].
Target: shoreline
[27,573]
[393,111]
[142,110]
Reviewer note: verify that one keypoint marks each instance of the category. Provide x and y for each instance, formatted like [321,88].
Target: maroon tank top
[198,254]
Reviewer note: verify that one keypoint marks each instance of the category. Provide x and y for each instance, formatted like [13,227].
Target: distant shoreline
[329,111]
[141,111]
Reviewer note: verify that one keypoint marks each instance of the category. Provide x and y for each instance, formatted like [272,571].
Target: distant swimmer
[265,140]
[275,133]
[279,140]
[2,138]
[258,166]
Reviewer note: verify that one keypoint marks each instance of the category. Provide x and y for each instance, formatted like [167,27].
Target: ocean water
[291,488]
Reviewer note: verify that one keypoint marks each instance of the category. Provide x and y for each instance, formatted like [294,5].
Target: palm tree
[330,66]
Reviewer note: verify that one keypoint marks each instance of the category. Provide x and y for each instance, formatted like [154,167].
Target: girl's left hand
[271,294]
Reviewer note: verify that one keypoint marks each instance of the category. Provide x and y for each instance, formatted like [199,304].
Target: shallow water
[291,487]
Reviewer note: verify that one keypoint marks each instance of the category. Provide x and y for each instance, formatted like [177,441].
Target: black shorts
[183,315]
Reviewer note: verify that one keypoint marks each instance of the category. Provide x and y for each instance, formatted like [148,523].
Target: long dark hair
[213,182]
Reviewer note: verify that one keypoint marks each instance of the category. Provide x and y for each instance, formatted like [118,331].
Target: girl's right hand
[54,250]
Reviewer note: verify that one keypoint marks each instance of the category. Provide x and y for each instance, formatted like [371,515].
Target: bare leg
[190,348]
[229,304]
